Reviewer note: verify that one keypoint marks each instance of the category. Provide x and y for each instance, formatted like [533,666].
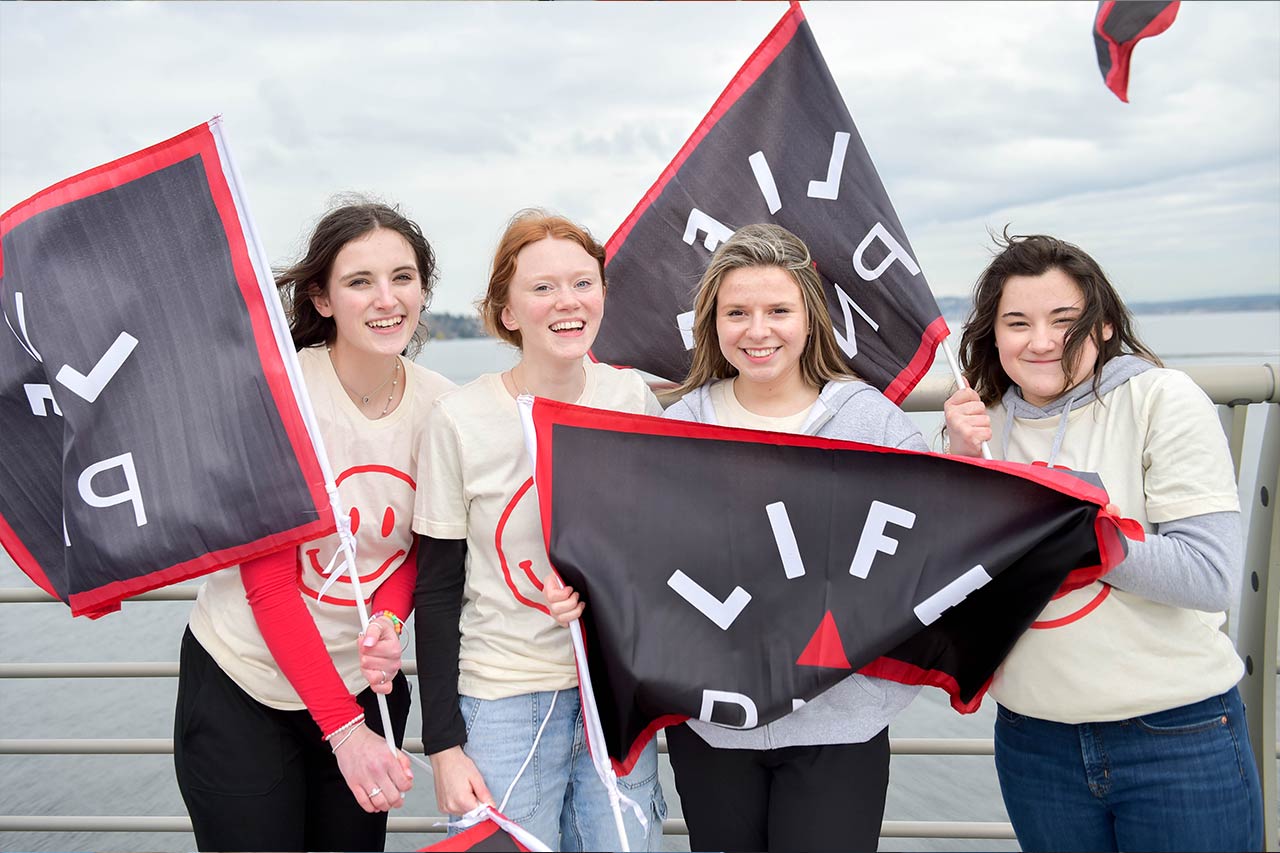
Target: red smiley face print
[380,501]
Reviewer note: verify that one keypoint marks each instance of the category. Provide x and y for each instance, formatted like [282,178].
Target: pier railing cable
[1255,622]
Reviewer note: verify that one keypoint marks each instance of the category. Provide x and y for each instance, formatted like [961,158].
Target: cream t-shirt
[477,484]
[1100,653]
[376,468]
[731,413]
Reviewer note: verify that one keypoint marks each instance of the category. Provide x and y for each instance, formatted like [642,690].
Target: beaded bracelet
[344,739]
[355,721]
[395,621]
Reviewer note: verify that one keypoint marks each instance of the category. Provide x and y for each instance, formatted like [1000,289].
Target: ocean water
[922,787]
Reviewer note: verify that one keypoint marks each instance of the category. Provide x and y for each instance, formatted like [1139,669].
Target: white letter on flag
[830,188]
[896,253]
[717,232]
[764,180]
[132,493]
[684,322]
[36,395]
[785,538]
[720,612]
[952,594]
[873,541]
[848,342]
[711,697]
[89,387]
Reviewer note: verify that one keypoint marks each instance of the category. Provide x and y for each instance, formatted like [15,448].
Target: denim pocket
[470,709]
[1188,719]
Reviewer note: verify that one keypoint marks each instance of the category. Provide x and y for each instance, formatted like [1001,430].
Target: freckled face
[1032,320]
[762,325]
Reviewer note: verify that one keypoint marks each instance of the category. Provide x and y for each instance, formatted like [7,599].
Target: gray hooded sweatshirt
[859,707]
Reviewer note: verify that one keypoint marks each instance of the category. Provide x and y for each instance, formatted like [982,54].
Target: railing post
[1257,618]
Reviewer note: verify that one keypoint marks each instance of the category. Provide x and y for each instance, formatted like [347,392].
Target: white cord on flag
[502,806]
[484,812]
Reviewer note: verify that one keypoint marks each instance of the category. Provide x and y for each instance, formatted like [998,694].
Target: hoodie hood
[1115,373]
[833,397]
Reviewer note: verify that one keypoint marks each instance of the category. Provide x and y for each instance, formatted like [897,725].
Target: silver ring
[384,677]
[374,791]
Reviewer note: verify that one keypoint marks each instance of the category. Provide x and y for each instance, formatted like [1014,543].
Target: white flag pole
[959,377]
[591,713]
[284,343]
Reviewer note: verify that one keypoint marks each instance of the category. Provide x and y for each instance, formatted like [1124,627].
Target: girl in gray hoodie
[765,357]
[1119,725]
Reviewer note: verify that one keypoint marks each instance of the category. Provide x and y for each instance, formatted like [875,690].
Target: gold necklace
[394,379]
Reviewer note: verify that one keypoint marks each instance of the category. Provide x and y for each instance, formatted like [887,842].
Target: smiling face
[374,294]
[762,326]
[1032,321]
[555,300]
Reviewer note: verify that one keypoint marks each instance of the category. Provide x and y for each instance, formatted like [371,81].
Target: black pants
[814,798]
[255,778]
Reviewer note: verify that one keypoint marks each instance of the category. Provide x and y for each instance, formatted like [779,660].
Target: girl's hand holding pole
[380,653]
[968,424]
[562,601]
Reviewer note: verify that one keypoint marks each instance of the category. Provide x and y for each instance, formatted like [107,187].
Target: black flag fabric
[780,146]
[151,426]
[1117,29]
[731,574]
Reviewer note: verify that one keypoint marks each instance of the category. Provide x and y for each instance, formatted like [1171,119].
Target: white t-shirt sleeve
[1187,468]
[440,507]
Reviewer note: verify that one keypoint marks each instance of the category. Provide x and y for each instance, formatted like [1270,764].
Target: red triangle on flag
[825,648]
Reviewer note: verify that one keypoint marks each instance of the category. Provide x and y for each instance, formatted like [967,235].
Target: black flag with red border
[729,573]
[780,146]
[151,430]
[1117,29]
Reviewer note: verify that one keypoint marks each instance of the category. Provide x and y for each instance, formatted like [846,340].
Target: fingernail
[368,641]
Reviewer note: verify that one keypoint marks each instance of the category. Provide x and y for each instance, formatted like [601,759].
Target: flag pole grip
[959,377]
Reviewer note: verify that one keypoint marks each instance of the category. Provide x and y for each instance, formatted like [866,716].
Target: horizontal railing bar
[1225,384]
[164,746]
[671,826]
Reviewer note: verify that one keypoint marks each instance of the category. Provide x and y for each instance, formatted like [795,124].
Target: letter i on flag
[779,146]
[154,425]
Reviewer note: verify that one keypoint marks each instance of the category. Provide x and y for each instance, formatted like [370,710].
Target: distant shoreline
[958,306]
[445,326]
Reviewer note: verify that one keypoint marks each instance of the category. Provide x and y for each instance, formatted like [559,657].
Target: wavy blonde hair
[764,246]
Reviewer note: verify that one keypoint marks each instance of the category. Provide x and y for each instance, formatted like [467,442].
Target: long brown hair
[764,246]
[309,277]
[527,226]
[1034,255]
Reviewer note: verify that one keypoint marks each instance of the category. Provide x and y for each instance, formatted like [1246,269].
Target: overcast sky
[975,114]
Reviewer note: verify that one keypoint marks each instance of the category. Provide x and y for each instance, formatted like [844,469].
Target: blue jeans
[1182,779]
[559,797]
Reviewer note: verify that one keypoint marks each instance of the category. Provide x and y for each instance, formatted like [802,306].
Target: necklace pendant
[364,400]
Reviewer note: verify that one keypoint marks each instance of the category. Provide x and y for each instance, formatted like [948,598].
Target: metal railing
[1255,620]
